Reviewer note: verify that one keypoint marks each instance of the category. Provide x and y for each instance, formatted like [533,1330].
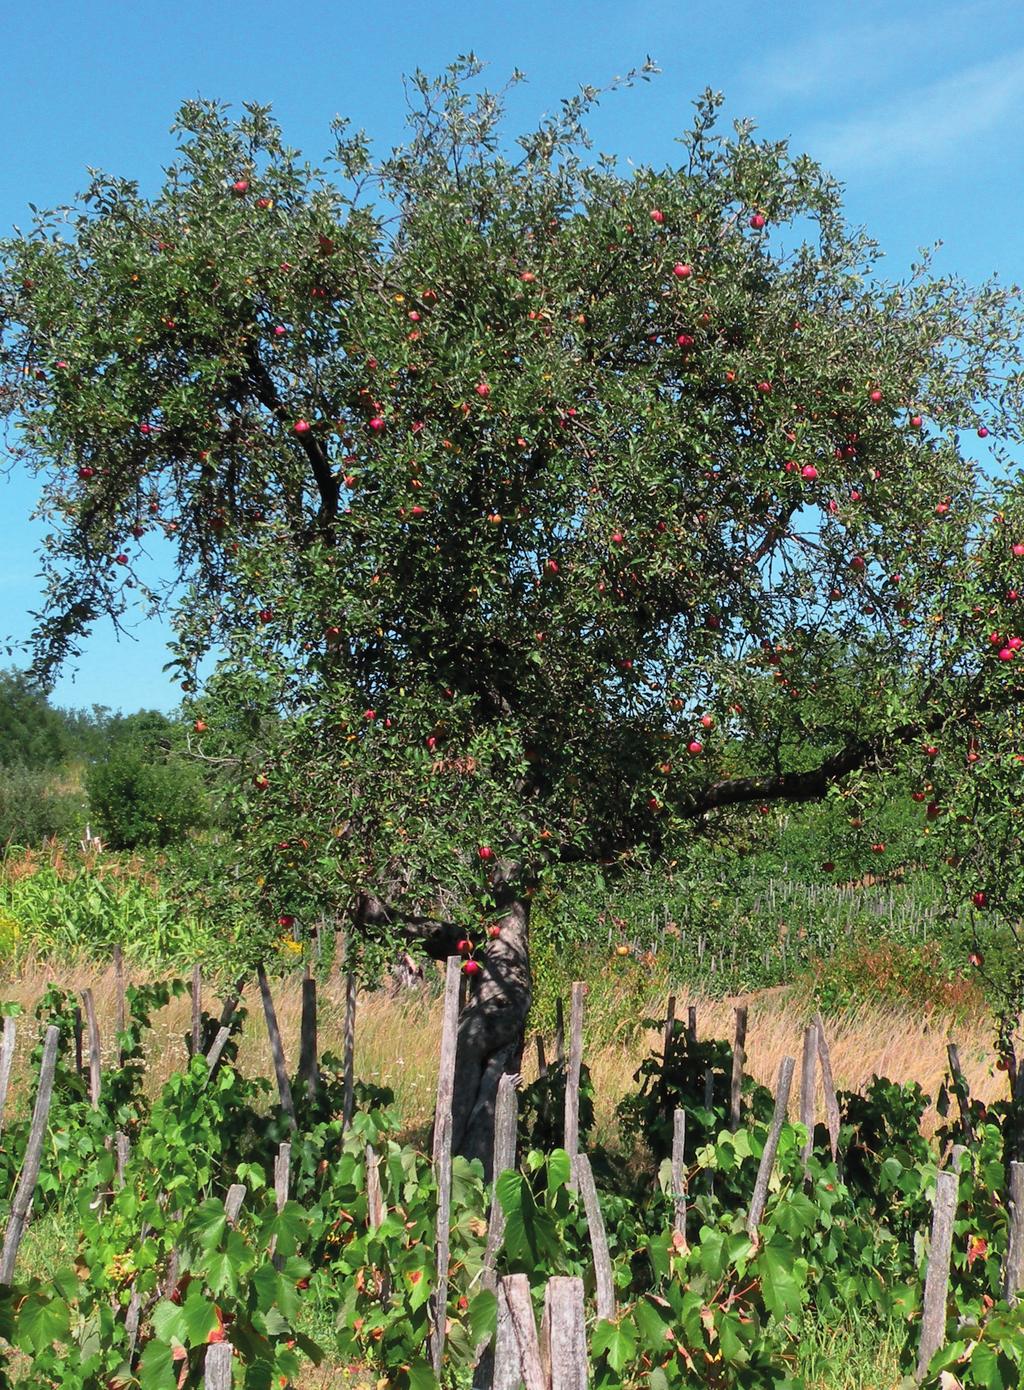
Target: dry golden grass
[397,1039]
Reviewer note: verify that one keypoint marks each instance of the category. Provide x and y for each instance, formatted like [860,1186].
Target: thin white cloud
[926,125]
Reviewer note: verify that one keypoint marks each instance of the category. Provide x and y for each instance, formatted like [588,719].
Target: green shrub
[137,802]
[34,806]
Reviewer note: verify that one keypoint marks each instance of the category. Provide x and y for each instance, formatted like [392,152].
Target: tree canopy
[535,509]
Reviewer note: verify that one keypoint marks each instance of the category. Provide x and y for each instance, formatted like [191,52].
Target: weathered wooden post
[120,1005]
[936,1284]
[828,1087]
[94,1048]
[442,1156]
[963,1097]
[309,1069]
[670,1030]
[679,1173]
[739,1057]
[807,1077]
[559,1031]
[284,1090]
[233,1202]
[197,1008]
[542,1061]
[31,1163]
[6,1060]
[506,1110]
[598,1238]
[691,1024]
[349,1050]
[563,1337]
[217,1366]
[517,1360]
[572,1078]
[764,1172]
[1013,1264]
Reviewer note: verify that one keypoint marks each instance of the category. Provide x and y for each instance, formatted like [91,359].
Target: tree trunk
[492,1034]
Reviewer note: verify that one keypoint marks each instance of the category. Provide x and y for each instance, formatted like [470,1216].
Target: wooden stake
[670,1028]
[518,1360]
[122,1151]
[563,1336]
[309,1070]
[739,1056]
[374,1195]
[22,1202]
[542,1061]
[78,1040]
[963,1097]
[936,1284]
[598,1239]
[506,1108]
[559,1031]
[233,1202]
[691,1024]
[807,1071]
[94,1048]
[760,1198]
[217,1047]
[6,1059]
[349,1050]
[120,1003]
[197,1008]
[572,1080]
[679,1173]
[284,1090]
[1013,1264]
[442,1156]
[828,1086]
[217,1370]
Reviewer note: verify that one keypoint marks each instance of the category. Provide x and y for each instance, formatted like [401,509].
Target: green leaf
[617,1340]
[156,1369]
[778,1267]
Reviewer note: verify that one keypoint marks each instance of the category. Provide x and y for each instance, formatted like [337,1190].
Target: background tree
[539,513]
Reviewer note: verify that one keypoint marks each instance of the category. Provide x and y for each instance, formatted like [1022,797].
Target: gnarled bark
[491,1034]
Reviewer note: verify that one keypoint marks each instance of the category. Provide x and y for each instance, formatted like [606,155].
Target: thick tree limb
[859,753]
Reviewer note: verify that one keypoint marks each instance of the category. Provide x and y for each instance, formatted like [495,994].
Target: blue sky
[915,107]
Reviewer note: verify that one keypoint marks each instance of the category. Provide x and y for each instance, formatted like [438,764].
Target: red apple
[121,559]
[86,473]
[261,781]
[657,216]
[266,615]
[757,221]
[765,387]
[301,427]
[376,424]
[483,389]
[695,748]
[471,967]
[707,720]
[976,959]
[682,272]
[980,898]
[485,852]
[200,726]
[878,848]
[494,931]
[616,538]
[464,947]
[809,472]
[827,867]
[857,563]
[1007,654]
[916,421]
[370,714]
[982,432]
[240,187]
[875,395]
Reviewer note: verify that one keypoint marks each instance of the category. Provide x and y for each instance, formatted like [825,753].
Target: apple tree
[534,511]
